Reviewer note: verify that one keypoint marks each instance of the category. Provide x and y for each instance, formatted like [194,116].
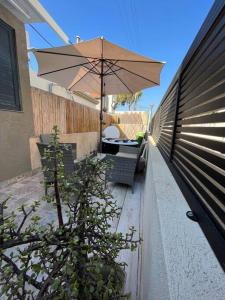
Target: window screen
[9,82]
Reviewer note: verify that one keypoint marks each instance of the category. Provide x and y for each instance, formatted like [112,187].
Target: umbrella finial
[102,37]
[77,39]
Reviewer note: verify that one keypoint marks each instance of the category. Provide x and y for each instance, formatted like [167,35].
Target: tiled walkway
[29,189]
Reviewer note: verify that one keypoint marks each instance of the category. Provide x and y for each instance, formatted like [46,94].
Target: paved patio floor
[29,189]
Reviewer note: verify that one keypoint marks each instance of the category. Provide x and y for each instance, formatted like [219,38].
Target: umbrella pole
[101,109]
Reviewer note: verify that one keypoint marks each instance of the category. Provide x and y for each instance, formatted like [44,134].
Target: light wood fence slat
[71,117]
[129,123]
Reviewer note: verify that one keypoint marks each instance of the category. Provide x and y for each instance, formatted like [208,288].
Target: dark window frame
[16,105]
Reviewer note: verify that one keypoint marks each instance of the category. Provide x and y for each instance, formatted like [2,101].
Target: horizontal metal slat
[209,170]
[165,148]
[167,117]
[169,109]
[167,130]
[169,91]
[210,106]
[200,87]
[209,94]
[168,123]
[214,131]
[206,183]
[168,101]
[210,118]
[206,71]
[164,152]
[214,210]
[165,139]
[206,51]
[167,127]
[207,155]
[211,144]
[170,94]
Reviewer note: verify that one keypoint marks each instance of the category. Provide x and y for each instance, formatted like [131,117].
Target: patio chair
[48,165]
[46,139]
[123,169]
[132,150]
[133,153]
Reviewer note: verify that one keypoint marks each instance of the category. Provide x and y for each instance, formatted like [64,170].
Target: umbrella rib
[66,68]
[112,65]
[66,54]
[137,75]
[119,78]
[84,75]
[96,70]
[75,55]
[111,73]
[137,61]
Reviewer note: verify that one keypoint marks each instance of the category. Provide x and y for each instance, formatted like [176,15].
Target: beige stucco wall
[16,127]
[86,143]
[177,262]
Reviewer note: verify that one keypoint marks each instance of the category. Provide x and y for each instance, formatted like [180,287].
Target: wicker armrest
[129,149]
[45,138]
[128,155]
[123,169]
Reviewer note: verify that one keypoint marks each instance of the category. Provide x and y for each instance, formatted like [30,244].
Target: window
[9,82]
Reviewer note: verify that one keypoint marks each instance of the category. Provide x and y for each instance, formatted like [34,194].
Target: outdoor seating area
[109,189]
[126,161]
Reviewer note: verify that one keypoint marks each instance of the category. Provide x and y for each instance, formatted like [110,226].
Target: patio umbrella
[98,68]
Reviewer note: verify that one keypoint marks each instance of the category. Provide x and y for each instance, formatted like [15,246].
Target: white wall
[107,103]
[177,261]
[47,85]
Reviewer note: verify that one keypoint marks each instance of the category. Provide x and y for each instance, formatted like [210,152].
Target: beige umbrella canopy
[98,67]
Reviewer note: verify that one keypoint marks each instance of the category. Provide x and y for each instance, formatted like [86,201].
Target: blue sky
[160,29]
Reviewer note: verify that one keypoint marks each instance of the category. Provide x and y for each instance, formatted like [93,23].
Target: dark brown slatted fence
[167,118]
[189,125]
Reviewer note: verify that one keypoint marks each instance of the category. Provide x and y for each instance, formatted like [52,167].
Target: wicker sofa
[123,169]
[124,164]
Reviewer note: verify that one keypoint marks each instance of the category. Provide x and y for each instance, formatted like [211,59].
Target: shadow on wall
[131,122]
[129,131]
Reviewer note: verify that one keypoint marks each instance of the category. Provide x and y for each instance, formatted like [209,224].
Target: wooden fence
[71,117]
[129,123]
[189,129]
[132,117]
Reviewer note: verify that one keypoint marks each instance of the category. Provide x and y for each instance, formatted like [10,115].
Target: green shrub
[140,136]
[75,258]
